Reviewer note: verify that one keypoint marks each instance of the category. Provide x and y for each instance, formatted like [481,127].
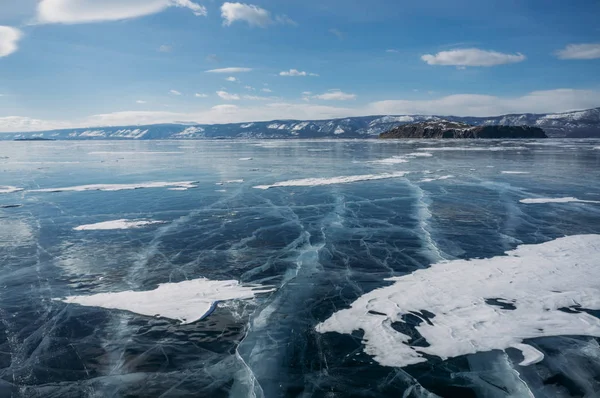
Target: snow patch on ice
[515,172]
[120,187]
[392,160]
[420,154]
[436,178]
[9,189]
[313,182]
[244,159]
[474,148]
[187,301]
[556,200]
[538,280]
[117,224]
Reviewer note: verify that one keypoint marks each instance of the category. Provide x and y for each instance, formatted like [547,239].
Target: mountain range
[576,124]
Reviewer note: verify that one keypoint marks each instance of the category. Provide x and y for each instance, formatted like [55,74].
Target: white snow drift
[538,280]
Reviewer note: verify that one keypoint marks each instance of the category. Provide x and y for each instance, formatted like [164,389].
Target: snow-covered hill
[584,123]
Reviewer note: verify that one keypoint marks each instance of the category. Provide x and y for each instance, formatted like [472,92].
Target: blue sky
[71,63]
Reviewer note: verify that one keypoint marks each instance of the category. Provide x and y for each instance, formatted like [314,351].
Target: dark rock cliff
[445,129]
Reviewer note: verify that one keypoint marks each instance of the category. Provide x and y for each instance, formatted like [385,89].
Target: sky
[86,63]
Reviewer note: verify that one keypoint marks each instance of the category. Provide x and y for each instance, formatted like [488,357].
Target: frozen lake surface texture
[300,269]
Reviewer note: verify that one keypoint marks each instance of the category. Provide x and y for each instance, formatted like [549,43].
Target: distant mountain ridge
[576,124]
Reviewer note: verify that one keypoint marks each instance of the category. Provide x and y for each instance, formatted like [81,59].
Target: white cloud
[580,51]
[227,96]
[174,92]
[266,90]
[335,95]
[249,88]
[200,95]
[232,79]
[229,70]
[472,57]
[256,98]
[164,48]
[86,11]
[140,102]
[337,33]
[559,100]
[9,40]
[296,72]
[251,14]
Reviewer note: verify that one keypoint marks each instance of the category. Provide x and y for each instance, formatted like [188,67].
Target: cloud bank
[87,11]
[559,100]
[229,70]
[251,14]
[472,57]
[9,40]
[580,51]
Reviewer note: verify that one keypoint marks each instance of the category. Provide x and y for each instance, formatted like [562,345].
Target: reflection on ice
[187,301]
[451,300]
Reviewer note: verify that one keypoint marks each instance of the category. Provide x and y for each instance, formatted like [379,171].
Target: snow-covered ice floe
[187,301]
[9,189]
[120,187]
[556,200]
[313,182]
[514,172]
[469,306]
[117,224]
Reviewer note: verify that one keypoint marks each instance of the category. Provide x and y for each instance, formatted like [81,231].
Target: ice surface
[313,182]
[187,301]
[556,200]
[117,224]
[539,280]
[120,187]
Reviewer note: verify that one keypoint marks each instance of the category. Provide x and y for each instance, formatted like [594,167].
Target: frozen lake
[300,269]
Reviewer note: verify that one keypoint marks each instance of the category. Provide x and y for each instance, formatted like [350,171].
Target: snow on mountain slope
[584,123]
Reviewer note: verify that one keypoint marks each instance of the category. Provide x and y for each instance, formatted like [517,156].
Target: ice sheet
[117,224]
[313,182]
[187,301]
[538,280]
